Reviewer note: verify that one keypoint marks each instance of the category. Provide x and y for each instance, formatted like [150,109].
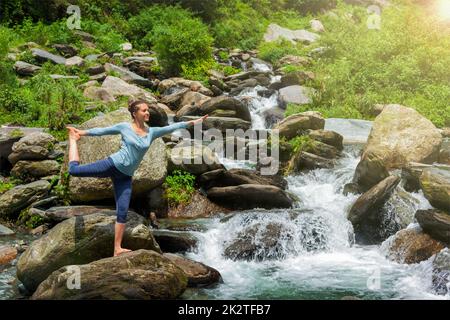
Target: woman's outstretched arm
[114,129]
[160,131]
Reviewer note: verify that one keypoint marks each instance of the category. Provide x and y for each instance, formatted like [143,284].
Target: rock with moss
[35,146]
[33,170]
[80,240]
[20,197]
[151,172]
[435,183]
[142,274]
[436,223]
[328,137]
[299,123]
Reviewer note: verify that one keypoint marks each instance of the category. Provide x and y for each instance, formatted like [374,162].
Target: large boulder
[441,272]
[400,135]
[241,111]
[221,123]
[370,171]
[435,183]
[118,87]
[59,214]
[246,196]
[33,170]
[199,207]
[195,159]
[151,172]
[444,153]
[296,94]
[366,214]
[238,176]
[436,223]
[9,136]
[35,146]
[20,197]
[97,93]
[411,246]
[80,240]
[298,124]
[198,274]
[274,32]
[143,275]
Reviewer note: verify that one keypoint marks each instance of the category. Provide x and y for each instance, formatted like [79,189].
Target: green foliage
[275,50]
[61,188]
[309,6]
[391,65]
[301,143]
[31,221]
[46,34]
[238,26]
[179,187]
[6,185]
[107,38]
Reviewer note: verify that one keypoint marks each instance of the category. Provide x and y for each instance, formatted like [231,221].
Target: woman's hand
[193,122]
[76,131]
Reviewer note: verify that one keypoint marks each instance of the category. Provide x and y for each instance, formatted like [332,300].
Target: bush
[310,6]
[106,36]
[179,187]
[182,45]
[275,50]
[238,26]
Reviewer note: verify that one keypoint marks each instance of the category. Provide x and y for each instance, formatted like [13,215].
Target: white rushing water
[310,251]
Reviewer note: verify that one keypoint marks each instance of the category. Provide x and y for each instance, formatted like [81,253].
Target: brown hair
[133,106]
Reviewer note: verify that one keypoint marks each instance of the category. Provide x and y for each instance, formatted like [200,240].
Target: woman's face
[142,113]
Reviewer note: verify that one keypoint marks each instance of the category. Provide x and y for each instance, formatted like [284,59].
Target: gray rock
[59,214]
[66,49]
[128,75]
[329,137]
[5,231]
[118,87]
[298,124]
[44,56]
[74,62]
[274,32]
[25,69]
[34,146]
[143,275]
[221,123]
[33,170]
[97,69]
[80,240]
[20,197]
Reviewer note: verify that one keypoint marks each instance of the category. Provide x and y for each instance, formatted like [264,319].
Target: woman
[120,166]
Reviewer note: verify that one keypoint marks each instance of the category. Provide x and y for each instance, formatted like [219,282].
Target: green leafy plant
[179,187]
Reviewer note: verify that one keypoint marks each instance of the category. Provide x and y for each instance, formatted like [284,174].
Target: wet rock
[304,161]
[5,231]
[366,213]
[237,176]
[435,183]
[370,171]
[175,241]
[7,254]
[142,274]
[328,137]
[436,223]
[198,274]
[297,124]
[441,272]
[411,176]
[246,196]
[412,246]
[80,240]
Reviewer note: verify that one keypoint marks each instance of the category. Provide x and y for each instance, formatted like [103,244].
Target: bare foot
[119,251]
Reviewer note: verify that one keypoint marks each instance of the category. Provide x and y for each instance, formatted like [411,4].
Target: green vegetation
[179,187]
[6,185]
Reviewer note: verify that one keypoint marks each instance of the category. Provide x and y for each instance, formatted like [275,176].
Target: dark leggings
[103,169]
